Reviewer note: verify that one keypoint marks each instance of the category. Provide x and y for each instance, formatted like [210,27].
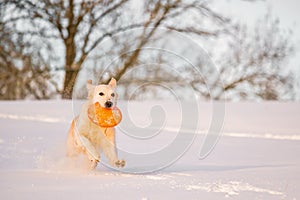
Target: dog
[88,138]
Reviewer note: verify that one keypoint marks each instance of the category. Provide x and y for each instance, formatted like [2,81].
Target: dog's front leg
[109,148]
[89,149]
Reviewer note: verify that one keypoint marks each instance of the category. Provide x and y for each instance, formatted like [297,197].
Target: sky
[287,11]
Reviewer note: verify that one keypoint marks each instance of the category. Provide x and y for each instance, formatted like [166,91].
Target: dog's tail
[71,146]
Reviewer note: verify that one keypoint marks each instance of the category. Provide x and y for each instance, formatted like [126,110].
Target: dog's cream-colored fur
[90,139]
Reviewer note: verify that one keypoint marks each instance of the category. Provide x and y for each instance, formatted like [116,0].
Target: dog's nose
[108,104]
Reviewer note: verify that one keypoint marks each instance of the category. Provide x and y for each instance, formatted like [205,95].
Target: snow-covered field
[257,156]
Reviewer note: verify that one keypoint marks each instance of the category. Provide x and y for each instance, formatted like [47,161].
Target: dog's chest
[96,133]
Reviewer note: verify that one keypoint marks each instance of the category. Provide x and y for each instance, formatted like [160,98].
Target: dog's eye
[101,93]
[113,94]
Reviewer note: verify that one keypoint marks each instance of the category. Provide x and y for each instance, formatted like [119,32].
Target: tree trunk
[69,82]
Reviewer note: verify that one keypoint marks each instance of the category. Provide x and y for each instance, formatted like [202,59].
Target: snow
[257,156]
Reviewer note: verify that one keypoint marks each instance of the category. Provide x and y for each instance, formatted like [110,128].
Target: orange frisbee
[104,117]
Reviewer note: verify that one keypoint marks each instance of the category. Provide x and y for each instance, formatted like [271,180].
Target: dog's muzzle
[108,104]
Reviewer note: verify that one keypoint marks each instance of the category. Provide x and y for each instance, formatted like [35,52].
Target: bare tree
[82,25]
[130,26]
[255,64]
[23,72]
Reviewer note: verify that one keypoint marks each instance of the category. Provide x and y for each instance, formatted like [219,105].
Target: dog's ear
[89,85]
[112,83]
[90,88]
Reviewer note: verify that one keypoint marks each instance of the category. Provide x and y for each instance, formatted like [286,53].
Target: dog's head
[104,94]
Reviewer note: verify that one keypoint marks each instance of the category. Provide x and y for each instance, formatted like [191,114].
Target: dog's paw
[120,163]
[93,164]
